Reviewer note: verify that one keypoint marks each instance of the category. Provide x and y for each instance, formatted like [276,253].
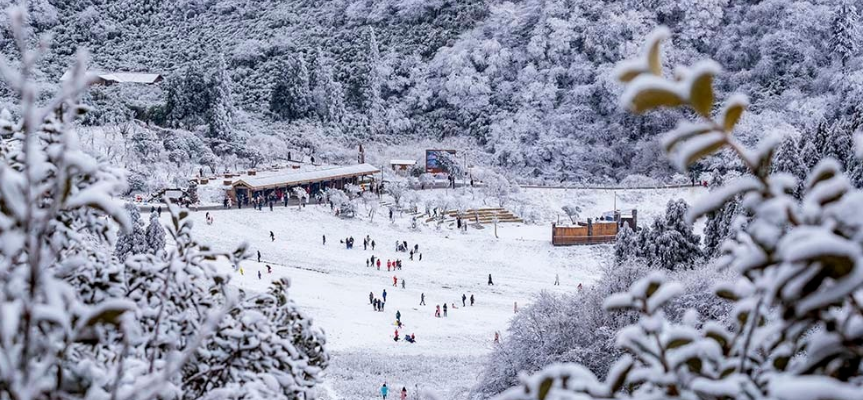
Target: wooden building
[593,232]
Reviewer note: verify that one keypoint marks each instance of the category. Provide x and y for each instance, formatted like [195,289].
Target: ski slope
[332,285]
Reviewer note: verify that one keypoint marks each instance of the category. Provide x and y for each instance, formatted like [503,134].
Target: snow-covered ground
[332,284]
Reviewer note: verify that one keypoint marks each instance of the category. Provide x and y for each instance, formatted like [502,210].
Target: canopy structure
[300,177]
[279,186]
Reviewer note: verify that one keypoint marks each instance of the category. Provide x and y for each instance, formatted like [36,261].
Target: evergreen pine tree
[673,244]
[133,242]
[291,97]
[625,245]
[327,93]
[787,160]
[839,143]
[843,41]
[155,234]
[221,113]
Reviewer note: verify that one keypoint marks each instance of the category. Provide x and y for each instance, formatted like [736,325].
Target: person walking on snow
[463,298]
[471,300]
[373,245]
[403,283]
[367,262]
[259,256]
[379,264]
[422,299]
[384,391]
[412,255]
[490,283]
[395,281]
[444,309]
[556,280]
[259,275]
[398,316]
[325,240]
[385,295]
[371,297]
[404,395]
[496,337]
[269,269]
[437,311]
[421,256]
[272,236]
[515,307]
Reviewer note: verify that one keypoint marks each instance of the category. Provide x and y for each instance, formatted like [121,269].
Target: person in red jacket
[379,264]
[395,281]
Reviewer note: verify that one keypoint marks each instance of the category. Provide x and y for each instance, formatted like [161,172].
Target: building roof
[289,178]
[122,77]
[403,162]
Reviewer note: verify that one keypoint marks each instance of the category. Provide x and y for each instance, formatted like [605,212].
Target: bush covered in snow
[794,331]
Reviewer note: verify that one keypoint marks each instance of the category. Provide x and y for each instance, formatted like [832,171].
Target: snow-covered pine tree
[718,227]
[327,93]
[625,245]
[845,34]
[134,241]
[673,243]
[371,91]
[839,145]
[155,234]
[788,160]
[221,111]
[291,96]
[809,153]
[192,192]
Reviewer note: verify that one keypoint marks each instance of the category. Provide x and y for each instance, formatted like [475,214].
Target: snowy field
[332,284]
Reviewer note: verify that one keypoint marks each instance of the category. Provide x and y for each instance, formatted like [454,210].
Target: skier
[384,391]
[371,297]
[422,299]
[471,300]
[403,283]
[490,283]
[463,298]
[259,256]
[556,280]
[404,395]
[325,240]
[444,309]
[272,236]
[385,295]
[395,281]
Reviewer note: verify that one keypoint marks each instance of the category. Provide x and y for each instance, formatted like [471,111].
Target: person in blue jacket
[385,295]
[384,391]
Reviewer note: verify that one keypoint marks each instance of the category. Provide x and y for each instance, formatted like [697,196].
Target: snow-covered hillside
[332,284]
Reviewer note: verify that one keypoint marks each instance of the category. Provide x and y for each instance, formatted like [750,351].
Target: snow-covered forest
[528,82]
[718,141]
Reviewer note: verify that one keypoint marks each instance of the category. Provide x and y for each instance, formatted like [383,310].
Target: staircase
[482,216]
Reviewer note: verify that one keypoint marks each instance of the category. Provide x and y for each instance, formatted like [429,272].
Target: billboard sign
[437,159]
